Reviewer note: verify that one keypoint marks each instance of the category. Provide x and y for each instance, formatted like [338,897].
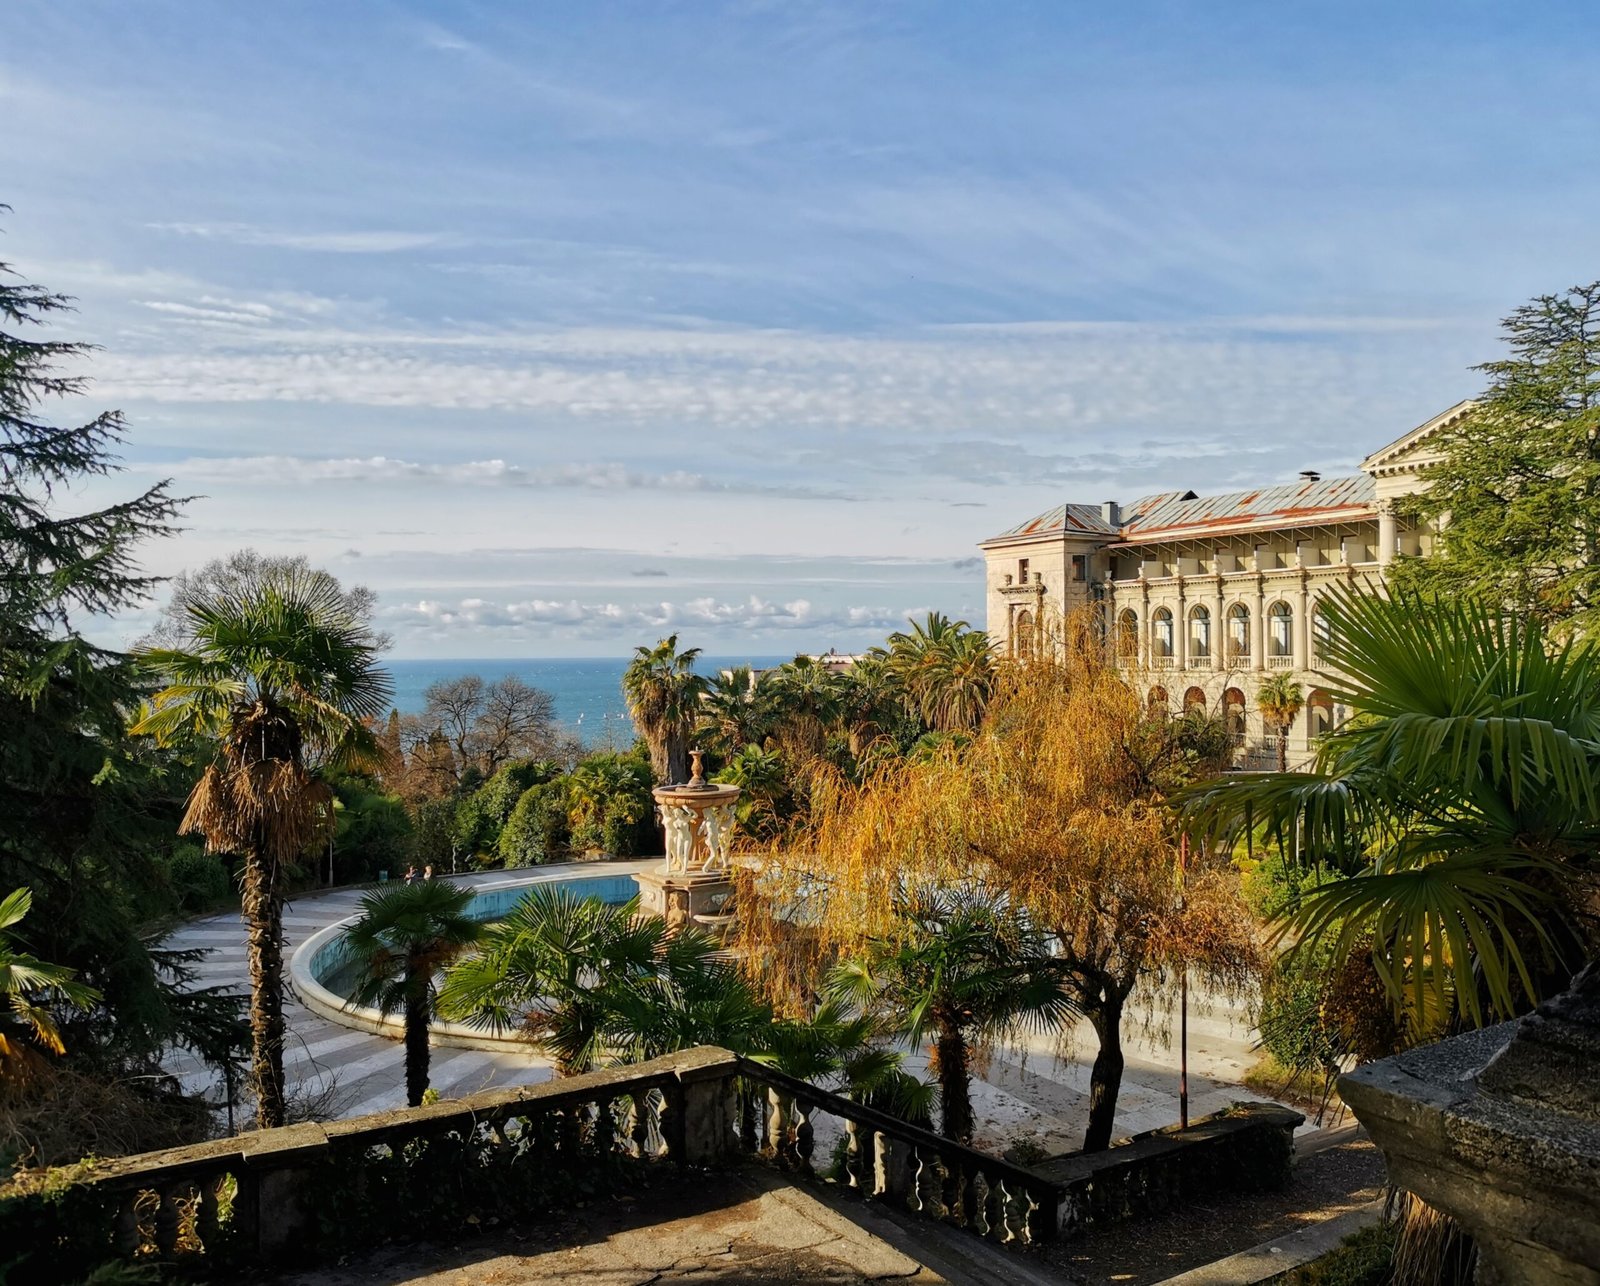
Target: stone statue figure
[719,824]
[678,821]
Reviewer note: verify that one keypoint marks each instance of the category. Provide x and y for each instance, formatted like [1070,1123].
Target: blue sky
[565,325]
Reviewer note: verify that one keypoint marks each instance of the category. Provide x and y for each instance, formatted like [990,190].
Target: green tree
[609,804]
[1515,493]
[85,811]
[28,983]
[283,681]
[763,781]
[1460,800]
[407,933]
[1280,700]
[663,694]
[947,671]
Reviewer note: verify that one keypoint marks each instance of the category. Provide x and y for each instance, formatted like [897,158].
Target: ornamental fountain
[696,881]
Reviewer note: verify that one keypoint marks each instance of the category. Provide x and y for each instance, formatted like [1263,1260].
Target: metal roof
[1169,514]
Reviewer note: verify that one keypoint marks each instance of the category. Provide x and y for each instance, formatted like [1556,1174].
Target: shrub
[537,829]
[199,880]
[1362,1259]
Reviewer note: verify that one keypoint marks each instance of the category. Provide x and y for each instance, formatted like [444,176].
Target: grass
[1362,1259]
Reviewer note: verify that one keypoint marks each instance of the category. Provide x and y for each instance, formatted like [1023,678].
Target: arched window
[1156,702]
[1233,712]
[1199,633]
[1321,632]
[1194,699]
[1128,634]
[1161,634]
[1238,632]
[1319,713]
[1022,634]
[1280,631]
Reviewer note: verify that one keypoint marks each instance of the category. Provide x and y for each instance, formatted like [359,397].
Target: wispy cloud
[299,471]
[358,242]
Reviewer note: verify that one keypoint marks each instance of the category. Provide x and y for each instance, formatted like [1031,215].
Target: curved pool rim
[314,958]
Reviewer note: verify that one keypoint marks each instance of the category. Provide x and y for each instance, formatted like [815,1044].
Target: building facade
[1203,596]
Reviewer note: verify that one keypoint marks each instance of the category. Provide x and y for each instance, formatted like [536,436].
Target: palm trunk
[417,1057]
[1283,748]
[264,912]
[955,1092]
[1105,1078]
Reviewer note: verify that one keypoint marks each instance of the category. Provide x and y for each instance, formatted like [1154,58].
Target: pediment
[1411,451]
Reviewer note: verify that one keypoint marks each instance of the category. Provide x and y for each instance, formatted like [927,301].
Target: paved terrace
[1026,1092]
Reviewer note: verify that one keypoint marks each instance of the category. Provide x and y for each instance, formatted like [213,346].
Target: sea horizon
[587,689]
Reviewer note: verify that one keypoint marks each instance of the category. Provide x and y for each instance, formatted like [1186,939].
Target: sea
[587,690]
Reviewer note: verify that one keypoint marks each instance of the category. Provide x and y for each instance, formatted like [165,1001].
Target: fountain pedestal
[1501,1129]
[695,883]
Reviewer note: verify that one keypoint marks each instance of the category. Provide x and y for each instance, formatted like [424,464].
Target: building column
[1258,628]
[1302,626]
[1181,621]
[1219,632]
[1113,626]
[1388,532]
[1147,629]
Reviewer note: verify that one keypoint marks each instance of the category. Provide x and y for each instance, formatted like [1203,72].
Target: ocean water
[587,690]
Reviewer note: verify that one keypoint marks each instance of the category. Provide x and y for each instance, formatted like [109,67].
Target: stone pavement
[746,1225]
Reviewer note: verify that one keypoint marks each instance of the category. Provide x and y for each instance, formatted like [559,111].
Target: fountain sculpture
[695,881]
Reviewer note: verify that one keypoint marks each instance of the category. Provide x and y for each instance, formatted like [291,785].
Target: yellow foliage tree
[1057,803]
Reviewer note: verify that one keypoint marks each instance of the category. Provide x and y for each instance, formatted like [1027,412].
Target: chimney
[1111,511]
[1310,475]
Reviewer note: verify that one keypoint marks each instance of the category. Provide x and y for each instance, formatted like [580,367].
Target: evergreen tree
[81,806]
[1517,489]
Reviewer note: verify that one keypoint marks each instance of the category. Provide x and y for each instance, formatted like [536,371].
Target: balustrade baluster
[1026,1206]
[852,1155]
[208,1219]
[639,1124]
[804,1137]
[126,1235]
[975,1203]
[169,1216]
[883,1159]
[914,1168]
[672,1122]
[1000,1201]
[951,1190]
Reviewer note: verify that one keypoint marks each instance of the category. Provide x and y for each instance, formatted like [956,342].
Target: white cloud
[533,617]
[297,471]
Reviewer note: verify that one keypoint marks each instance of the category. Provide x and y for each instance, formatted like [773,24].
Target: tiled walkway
[1023,1093]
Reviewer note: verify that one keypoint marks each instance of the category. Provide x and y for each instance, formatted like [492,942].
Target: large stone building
[1202,596]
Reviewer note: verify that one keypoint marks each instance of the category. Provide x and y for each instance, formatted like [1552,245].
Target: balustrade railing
[887,1160]
[1280,662]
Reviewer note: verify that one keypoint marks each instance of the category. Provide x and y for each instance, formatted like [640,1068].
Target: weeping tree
[1045,805]
[406,934]
[277,682]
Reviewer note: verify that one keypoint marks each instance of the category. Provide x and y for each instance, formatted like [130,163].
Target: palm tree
[966,968]
[1460,799]
[1280,700]
[25,981]
[663,694]
[406,934]
[281,677]
[596,984]
[807,696]
[947,671]
[736,711]
[763,781]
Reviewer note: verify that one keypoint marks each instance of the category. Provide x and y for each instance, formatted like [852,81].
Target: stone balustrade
[315,1191]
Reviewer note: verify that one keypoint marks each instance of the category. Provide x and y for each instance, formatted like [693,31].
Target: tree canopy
[1515,492]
